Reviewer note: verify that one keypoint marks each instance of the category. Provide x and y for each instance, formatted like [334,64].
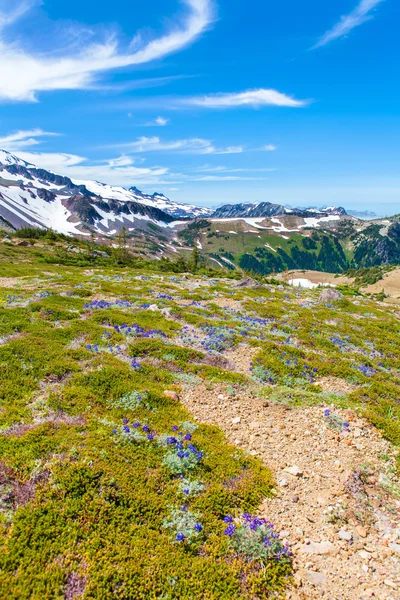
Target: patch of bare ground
[227,303]
[241,357]
[9,338]
[334,385]
[390,284]
[332,504]
[15,493]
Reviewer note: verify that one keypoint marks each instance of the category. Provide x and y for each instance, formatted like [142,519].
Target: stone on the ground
[318,548]
[317,579]
[330,295]
[171,394]
[345,535]
[294,471]
[249,283]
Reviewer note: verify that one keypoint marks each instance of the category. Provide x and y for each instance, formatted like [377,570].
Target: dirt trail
[343,526]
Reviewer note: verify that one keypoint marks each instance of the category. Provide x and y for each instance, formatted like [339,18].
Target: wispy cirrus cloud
[23,139]
[120,171]
[252,98]
[184,146]
[80,65]
[361,14]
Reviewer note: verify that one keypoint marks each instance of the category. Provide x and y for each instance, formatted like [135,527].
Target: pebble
[345,535]
[294,471]
[318,548]
[317,579]
[236,420]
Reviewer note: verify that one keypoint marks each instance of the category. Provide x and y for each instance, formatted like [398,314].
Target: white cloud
[185,146]
[226,178]
[73,68]
[253,98]
[268,148]
[358,16]
[116,171]
[222,169]
[157,122]
[161,121]
[23,139]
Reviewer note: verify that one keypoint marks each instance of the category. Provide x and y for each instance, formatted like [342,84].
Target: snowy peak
[34,197]
[6,158]
[268,209]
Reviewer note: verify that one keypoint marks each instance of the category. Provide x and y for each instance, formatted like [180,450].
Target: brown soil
[343,525]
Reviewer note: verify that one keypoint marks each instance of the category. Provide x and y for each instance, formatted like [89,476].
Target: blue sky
[209,101]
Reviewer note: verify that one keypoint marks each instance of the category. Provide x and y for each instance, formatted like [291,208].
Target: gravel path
[331,503]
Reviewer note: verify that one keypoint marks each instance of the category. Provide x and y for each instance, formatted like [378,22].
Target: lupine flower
[198,527]
[230,530]
[228,519]
[327,412]
[180,537]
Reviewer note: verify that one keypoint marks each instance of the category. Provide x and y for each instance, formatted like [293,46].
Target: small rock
[171,394]
[317,579]
[236,420]
[283,483]
[318,548]
[221,397]
[395,547]
[362,531]
[330,295]
[295,499]
[390,584]
[345,535]
[295,471]
[153,307]
[364,554]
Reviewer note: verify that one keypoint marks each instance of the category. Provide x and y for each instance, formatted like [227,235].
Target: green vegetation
[91,497]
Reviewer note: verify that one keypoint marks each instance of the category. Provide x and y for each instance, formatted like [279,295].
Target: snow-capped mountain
[34,197]
[268,209]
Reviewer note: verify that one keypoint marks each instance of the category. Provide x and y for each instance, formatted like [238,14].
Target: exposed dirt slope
[330,503]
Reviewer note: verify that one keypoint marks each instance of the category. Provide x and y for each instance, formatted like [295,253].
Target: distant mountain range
[267,209]
[35,197]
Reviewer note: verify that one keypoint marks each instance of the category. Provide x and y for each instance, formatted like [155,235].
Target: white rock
[345,535]
[236,420]
[390,583]
[283,483]
[315,578]
[395,547]
[294,471]
[318,548]
[153,307]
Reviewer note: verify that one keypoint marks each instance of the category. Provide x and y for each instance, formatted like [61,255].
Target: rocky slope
[268,209]
[34,197]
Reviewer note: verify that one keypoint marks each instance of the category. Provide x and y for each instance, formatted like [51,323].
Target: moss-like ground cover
[107,487]
[94,502]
